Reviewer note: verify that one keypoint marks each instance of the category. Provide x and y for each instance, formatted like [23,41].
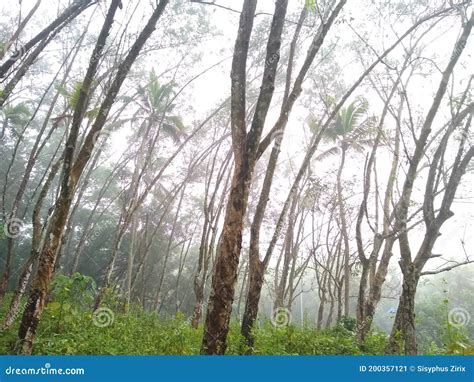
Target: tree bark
[72,171]
[245,146]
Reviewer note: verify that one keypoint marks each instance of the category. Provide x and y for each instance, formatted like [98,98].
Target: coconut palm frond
[328,153]
[158,94]
[331,134]
[73,95]
[313,125]
[16,114]
[177,122]
[173,131]
[361,132]
[352,115]
[366,142]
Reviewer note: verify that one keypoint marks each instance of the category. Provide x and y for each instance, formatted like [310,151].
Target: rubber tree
[316,138]
[256,266]
[72,169]
[403,335]
[245,148]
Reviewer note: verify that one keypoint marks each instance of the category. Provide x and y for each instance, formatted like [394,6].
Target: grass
[65,330]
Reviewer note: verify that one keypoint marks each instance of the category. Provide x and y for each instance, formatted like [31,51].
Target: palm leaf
[17,114]
[73,94]
[328,153]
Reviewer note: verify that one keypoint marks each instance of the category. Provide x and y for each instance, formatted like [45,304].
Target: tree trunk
[72,171]
[255,283]
[404,325]
[245,145]
[19,291]
[344,231]
[225,274]
[256,267]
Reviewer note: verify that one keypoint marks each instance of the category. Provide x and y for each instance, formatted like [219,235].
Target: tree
[72,171]
[412,267]
[245,148]
[349,132]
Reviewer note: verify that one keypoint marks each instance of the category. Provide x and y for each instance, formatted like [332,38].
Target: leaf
[93,113]
[54,308]
[310,5]
[73,95]
[328,153]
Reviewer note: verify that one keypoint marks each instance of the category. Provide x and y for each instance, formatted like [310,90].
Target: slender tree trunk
[255,265]
[404,325]
[255,284]
[322,304]
[35,248]
[168,248]
[72,171]
[130,261]
[245,145]
[344,231]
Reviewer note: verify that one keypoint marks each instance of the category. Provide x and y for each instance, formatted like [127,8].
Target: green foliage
[156,102]
[348,323]
[17,115]
[455,339]
[77,289]
[310,5]
[70,295]
[72,97]
[436,331]
[68,327]
[140,333]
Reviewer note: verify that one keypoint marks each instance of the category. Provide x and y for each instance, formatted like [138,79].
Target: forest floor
[67,330]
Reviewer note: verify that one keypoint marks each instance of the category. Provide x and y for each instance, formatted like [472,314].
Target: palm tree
[16,115]
[154,116]
[156,107]
[351,130]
